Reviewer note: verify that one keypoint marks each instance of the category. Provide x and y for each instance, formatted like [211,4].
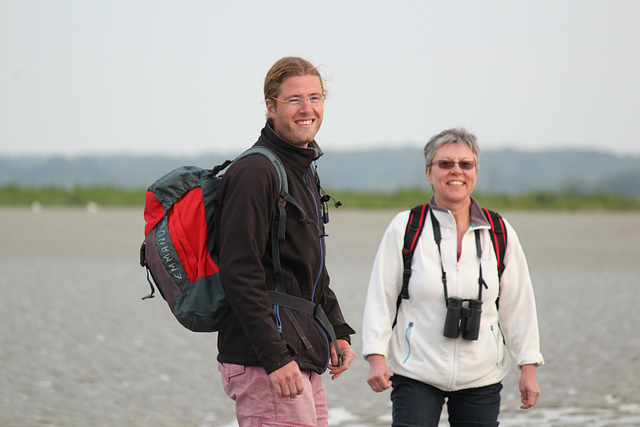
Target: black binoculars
[463,315]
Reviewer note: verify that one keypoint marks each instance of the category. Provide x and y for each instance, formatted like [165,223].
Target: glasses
[448,164]
[298,100]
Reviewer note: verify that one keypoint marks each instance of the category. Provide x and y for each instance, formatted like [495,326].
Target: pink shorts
[257,404]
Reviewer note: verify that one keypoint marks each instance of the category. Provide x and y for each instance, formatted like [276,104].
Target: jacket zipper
[322,255]
[455,342]
[322,250]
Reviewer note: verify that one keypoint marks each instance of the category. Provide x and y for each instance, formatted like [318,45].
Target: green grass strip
[13,195]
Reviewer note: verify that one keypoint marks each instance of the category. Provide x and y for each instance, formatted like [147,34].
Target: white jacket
[416,347]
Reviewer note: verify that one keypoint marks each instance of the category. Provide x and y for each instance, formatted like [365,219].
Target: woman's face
[452,186]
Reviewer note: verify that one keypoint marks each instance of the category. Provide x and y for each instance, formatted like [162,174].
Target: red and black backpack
[415,225]
[178,249]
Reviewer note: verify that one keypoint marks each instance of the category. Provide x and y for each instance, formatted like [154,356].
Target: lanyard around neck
[438,237]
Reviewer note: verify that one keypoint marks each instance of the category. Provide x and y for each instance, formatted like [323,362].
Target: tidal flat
[79,347]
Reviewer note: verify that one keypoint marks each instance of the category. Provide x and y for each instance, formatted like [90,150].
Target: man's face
[297,124]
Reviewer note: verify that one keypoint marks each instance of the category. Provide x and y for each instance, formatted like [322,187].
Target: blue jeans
[416,404]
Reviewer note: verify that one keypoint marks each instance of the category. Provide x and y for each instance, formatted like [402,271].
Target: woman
[450,280]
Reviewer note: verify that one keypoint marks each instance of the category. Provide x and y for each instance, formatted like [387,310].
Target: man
[271,373]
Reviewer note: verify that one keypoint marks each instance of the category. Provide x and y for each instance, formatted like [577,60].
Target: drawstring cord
[407,336]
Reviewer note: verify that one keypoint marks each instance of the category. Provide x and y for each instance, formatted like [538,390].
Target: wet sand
[79,347]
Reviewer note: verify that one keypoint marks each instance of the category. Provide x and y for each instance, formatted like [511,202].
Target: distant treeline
[534,200]
[13,195]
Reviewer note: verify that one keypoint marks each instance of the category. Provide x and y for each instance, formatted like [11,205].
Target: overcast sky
[185,77]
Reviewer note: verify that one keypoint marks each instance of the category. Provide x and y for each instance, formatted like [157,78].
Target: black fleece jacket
[254,334]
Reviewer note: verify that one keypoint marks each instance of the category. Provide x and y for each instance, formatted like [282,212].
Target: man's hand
[529,391]
[287,381]
[348,356]
[379,374]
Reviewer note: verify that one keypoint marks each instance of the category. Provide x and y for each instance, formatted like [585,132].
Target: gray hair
[451,136]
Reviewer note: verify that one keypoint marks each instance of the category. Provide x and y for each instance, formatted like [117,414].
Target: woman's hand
[379,374]
[529,391]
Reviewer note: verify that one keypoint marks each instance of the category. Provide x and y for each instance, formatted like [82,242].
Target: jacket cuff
[343,332]
[530,358]
[278,359]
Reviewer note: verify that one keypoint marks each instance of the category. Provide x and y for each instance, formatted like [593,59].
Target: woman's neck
[461,214]
[460,211]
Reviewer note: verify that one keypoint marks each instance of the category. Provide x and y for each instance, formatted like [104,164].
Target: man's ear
[271,108]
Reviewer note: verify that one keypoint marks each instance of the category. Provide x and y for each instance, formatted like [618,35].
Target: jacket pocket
[230,370]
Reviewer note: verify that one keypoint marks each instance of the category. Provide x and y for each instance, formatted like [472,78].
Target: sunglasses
[448,164]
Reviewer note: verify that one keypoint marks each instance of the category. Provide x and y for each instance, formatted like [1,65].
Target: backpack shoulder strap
[275,161]
[284,196]
[411,236]
[415,224]
[498,237]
